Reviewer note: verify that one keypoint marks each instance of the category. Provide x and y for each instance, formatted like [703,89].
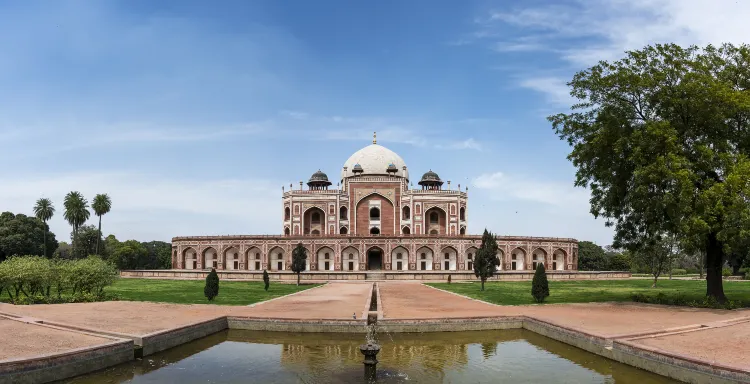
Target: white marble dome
[374,160]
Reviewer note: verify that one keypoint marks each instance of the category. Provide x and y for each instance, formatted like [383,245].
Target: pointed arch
[254,259]
[400,259]
[189,258]
[232,259]
[425,257]
[350,259]
[470,257]
[326,258]
[538,256]
[558,259]
[276,259]
[518,259]
[448,258]
[210,258]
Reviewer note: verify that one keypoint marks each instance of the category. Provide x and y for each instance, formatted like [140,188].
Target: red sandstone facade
[372,221]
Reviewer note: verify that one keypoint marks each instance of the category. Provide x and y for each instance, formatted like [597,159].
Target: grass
[587,291]
[191,291]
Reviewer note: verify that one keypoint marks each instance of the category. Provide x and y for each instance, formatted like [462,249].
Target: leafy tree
[85,245]
[44,210]
[590,257]
[130,254]
[211,289]
[299,258]
[656,254]
[159,255]
[486,261]
[266,280]
[24,235]
[102,204]
[662,138]
[63,251]
[76,211]
[539,285]
[616,260]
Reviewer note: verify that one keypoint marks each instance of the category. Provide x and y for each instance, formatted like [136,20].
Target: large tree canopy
[662,138]
[24,235]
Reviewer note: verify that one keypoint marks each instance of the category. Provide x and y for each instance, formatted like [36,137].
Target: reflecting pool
[508,356]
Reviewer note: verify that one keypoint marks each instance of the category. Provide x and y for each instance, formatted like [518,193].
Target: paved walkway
[708,335]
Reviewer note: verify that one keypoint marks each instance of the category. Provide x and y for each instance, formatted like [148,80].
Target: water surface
[507,356]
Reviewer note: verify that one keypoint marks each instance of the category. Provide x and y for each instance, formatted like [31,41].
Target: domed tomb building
[373,220]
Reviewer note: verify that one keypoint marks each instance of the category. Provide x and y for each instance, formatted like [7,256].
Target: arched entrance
[374,259]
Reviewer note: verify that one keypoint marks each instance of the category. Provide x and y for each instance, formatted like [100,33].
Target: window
[374,213]
[343,213]
[470,256]
[286,231]
[462,214]
[374,231]
[398,255]
[257,256]
[343,231]
[462,231]
[434,232]
[351,256]
[315,217]
[423,255]
[406,230]
[407,213]
[315,232]
[326,255]
[287,213]
[434,218]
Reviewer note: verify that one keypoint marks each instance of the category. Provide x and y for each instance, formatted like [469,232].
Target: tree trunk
[45,239]
[482,283]
[654,284]
[714,262]
[100,235]
[297,278]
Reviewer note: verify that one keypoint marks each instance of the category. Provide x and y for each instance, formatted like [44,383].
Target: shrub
[212,285]
[266,280]
[726,272]
[539,285]
[28,279]
[678,271]
[692,271]
[449,279]
[680,300]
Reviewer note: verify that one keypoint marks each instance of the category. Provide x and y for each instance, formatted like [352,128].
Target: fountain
[371,348]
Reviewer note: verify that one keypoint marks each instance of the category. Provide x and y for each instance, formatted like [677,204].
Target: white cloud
[587,31]
[501,186]
[554,88]
[151,207]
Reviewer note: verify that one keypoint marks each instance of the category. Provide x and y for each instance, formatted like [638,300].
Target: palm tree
[76,211]
[44,210]
[101,204]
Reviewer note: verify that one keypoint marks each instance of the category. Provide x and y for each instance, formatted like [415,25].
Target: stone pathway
[714,336]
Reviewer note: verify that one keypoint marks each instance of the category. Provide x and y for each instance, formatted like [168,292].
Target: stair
[375,276]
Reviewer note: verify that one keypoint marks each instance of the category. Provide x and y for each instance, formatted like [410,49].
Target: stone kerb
[162,340]
[61,365]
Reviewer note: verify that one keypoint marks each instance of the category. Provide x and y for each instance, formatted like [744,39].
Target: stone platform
[693,345]
[333,276]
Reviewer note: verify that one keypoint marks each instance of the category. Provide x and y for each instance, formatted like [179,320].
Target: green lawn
[191,291]
[585,291]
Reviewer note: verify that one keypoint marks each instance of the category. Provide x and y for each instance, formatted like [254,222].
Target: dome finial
[374,137]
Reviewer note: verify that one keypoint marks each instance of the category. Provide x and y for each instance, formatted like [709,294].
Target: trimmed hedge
[679,272]
[34,279]
[708,302]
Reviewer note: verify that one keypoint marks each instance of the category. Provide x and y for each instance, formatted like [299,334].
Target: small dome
[392,168]
[318,178]
[430,178]
[357,168]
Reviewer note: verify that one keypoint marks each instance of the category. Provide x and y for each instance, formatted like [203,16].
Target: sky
[192,115]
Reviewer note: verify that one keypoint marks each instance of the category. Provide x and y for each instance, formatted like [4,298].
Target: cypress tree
[486,259]
[212,285]
[299,260]
[540,286]
[266,280]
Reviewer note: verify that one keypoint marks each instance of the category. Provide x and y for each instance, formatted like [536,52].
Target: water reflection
[455,357]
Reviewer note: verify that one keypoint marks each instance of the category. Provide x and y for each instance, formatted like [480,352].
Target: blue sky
[193,114]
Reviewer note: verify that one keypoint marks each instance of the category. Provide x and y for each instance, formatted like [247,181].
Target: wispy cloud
[503,186]
[584,32]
